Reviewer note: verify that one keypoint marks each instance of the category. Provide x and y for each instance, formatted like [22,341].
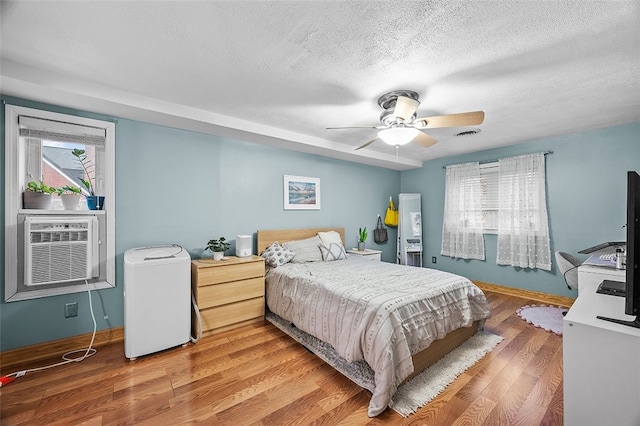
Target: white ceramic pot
[70,201]
[218,255]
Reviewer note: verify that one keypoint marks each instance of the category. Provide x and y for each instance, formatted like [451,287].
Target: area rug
[417,391]
[546,317]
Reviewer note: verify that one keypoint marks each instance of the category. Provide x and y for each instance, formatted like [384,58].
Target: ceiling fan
[399,125]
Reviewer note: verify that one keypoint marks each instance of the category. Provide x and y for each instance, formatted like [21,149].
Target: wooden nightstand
[229,293]
[374,255]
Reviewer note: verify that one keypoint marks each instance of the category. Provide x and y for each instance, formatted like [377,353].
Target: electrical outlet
[434,260]
[71,310]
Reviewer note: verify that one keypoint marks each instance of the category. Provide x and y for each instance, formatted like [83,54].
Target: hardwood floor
[258,375]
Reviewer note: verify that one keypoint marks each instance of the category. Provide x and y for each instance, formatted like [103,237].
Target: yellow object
[391,218]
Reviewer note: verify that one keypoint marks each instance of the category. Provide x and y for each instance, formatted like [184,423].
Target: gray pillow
[330,237]
[306,250]
[333,251]
[275,255]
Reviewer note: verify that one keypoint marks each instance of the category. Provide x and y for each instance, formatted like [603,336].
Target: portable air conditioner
[60,249]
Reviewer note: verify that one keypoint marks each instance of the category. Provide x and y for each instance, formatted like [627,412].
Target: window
[485,212]
[523,231]
[489,197]
[507,198]
[48,150]
[462,224]
[39,146]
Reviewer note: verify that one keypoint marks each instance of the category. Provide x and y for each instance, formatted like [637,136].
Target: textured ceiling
[279,72]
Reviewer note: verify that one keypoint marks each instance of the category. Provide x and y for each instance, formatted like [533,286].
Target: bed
[399,319]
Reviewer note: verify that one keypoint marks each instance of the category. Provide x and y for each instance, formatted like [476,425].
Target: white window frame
[13,194]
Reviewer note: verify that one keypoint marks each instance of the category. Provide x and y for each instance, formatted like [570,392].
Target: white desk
[591,276]
[601,359]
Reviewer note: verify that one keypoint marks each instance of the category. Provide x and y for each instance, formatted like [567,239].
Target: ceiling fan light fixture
[397,136]
[405,108]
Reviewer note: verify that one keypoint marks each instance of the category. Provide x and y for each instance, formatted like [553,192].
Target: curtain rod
[493,161]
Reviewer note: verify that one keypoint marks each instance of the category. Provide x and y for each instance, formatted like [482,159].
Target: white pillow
[330,237]
[306,250]
[275,255]
[333,251]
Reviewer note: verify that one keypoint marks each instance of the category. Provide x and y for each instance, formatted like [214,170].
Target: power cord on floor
[194,305]
[90,351]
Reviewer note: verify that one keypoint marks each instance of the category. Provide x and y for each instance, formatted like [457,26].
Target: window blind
[58,131]
[489,195]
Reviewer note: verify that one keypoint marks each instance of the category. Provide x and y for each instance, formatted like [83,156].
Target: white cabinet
[601,359]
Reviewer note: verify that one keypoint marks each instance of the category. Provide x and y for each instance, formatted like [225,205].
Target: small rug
[546,317]
[416,392]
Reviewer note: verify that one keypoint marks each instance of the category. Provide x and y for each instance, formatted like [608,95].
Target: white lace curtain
[462,225]
[523,231]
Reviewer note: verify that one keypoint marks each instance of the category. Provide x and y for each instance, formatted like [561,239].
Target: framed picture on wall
[301,193]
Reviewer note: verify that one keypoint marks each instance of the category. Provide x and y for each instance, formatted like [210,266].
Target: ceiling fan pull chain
[397,148]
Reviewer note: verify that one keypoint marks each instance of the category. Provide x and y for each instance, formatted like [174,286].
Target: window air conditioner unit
[60,249]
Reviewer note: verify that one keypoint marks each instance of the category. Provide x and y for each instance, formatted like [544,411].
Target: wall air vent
[468,132]
[60,249]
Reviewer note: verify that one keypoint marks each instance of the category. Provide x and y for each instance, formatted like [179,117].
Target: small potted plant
[362,234]
[37,195]
[70,196]
[93,202]
[218,247]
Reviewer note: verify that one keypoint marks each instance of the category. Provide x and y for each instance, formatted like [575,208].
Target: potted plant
[93,202]
[37,195]
[218,247]
[362,234]
[70,196]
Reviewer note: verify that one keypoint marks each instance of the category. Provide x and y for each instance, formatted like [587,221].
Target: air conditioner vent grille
[58,236]
[59,251]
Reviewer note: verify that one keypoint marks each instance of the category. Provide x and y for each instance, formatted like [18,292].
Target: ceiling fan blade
[451,120]
[405,108]
[356,127]
[424,140]
[367,144]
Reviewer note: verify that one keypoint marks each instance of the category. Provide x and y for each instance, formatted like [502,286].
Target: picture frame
[301,193]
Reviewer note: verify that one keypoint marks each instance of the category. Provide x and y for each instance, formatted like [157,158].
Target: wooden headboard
[268,236]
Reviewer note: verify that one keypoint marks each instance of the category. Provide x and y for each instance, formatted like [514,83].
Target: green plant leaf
[87,166]
[362,234]
[40,187]
[218,245]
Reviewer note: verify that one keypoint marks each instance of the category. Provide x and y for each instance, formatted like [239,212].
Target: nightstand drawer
[222,294]
[232,313]
[223,273]
[229,293]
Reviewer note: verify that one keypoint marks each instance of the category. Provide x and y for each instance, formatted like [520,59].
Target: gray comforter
[376,311]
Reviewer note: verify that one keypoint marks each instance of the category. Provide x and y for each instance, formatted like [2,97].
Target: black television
[632,287]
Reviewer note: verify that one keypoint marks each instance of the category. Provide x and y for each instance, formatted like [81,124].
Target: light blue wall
[586,195]
[176,186]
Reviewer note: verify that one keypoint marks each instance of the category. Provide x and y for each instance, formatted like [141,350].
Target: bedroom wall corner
[586,192]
